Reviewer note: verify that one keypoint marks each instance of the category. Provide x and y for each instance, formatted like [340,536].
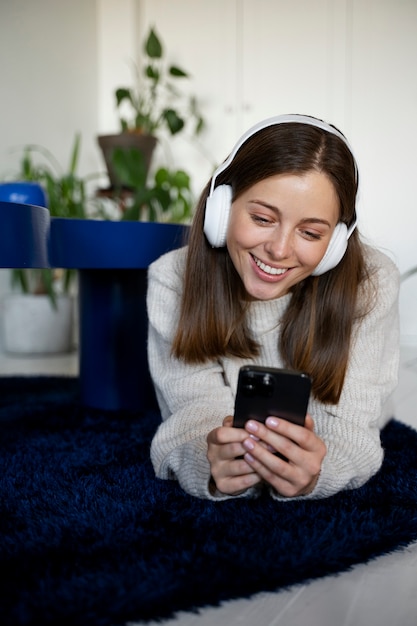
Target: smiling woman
[275,274]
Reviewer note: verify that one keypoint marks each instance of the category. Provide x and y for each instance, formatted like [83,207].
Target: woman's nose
[280,244]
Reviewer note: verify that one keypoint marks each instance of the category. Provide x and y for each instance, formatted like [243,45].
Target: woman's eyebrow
[272,207]
[315,220]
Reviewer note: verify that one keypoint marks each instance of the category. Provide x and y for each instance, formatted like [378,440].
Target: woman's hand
[302,448]
[232,475]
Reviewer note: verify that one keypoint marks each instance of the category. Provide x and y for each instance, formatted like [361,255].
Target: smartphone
[265,391]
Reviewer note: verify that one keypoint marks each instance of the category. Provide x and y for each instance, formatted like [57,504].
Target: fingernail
[248,457]
[248,444]
[271,421]
[252,426]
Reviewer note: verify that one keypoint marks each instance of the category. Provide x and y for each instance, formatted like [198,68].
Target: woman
[275,274]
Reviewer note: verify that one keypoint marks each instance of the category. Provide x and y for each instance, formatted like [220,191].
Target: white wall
[117,47]
[48,78]
[62,60]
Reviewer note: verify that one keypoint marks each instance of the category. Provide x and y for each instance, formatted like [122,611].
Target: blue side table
[112,260]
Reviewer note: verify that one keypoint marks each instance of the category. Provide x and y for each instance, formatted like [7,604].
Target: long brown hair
[317,325]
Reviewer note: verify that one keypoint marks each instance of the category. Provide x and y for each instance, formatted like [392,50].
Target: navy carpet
[88,535]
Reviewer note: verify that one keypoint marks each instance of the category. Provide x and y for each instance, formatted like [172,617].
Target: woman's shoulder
[165,280]
[383,277]
[380,262]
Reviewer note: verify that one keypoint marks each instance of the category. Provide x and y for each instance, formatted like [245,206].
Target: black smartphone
[265,391]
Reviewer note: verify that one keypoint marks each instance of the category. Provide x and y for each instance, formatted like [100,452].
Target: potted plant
[152,105]
[164,197]
[40,318]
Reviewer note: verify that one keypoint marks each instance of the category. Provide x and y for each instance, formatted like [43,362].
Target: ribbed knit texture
[195,399]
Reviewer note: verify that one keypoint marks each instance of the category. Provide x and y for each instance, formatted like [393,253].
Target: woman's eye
[311,235]
[261,219]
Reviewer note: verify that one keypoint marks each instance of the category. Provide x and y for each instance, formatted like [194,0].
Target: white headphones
[219,200]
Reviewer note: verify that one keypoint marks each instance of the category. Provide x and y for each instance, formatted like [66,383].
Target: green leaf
[48,283]
[177,72]
[69,275]
[153,46]
[152,72]
[123,94]
[75,154]
[181,179]
[131,214]
[162,196]
[199,125]
[26,165]
[130,167]
[174,121]
[161,176]
[20,278]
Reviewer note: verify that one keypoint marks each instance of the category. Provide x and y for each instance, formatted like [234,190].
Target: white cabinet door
[287,57]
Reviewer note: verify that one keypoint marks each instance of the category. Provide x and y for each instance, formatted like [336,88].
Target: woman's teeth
[274,271]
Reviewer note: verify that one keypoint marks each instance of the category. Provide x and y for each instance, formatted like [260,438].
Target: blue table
[112,260]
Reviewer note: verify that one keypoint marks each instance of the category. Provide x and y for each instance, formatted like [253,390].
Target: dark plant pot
[145,143]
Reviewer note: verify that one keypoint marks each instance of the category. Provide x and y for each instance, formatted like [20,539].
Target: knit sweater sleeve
[194,399]
[351,429]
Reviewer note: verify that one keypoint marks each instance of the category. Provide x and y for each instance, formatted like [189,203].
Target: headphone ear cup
[217,214]
[335,250]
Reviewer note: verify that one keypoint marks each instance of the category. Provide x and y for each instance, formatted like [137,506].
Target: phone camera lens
[267,385]
[249,389]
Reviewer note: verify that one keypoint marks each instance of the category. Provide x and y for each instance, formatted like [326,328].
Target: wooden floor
[381,593]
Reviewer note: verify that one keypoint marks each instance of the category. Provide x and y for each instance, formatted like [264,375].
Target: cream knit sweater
[195,399]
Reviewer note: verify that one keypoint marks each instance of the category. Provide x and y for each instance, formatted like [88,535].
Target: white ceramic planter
[32,326]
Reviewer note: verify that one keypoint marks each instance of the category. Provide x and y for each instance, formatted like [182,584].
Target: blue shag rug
[88,535]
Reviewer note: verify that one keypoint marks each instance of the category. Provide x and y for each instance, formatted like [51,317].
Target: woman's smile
[279,230]
[272,272]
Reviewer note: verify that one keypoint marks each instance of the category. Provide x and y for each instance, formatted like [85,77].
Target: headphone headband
[274,121]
